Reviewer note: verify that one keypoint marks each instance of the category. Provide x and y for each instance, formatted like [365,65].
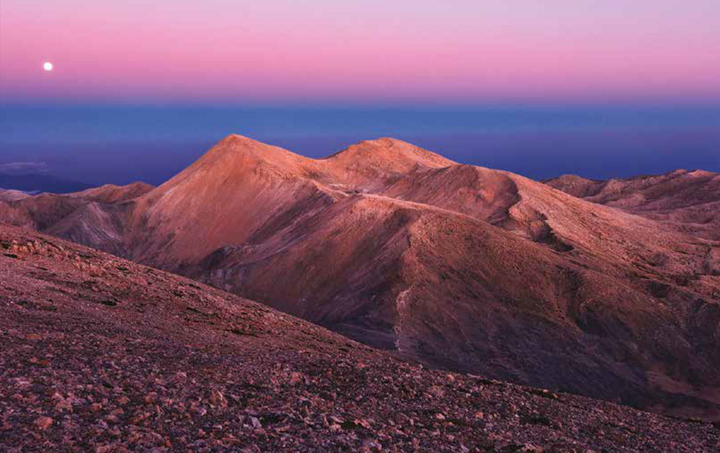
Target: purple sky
[369,51]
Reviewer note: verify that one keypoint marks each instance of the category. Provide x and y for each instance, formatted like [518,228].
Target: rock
[62,404]
[43,422]
[364,423]
[370,445]
[150,398]
[530,448]
[218,399]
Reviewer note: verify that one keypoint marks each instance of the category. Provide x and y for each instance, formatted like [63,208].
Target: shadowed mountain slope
[458,266]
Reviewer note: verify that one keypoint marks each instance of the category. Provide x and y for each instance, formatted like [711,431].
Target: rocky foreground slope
[101,354]
[460,267]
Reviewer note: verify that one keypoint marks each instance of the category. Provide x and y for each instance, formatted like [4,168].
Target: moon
[47,66]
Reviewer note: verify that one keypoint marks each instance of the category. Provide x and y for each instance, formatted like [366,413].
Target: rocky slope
[101,354]
[686,201]
[460,267]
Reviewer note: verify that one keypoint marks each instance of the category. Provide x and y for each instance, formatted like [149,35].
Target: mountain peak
[240,143]
[390,153]
[237,153]
[386,142]
[237,139]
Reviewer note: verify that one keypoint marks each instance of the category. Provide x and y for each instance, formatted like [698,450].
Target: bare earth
[614,296]
[102,354]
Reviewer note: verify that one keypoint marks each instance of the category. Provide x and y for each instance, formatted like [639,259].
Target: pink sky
[360,51]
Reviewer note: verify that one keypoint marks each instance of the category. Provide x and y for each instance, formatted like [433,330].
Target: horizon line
[710,103]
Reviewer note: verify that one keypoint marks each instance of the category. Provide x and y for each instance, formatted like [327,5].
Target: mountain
[94,217]
[41,183]
[12,195]
[102,354]
[242,185]
[685,201]
[457,266]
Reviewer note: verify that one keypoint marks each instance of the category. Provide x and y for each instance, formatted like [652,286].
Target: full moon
[48,66]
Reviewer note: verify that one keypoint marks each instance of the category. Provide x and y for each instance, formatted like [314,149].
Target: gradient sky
[361,51]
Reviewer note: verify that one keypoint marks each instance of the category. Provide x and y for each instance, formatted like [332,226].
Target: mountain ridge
[687,201]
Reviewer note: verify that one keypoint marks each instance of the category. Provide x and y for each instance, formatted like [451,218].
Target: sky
[122,144]
[142,88]
[360,51]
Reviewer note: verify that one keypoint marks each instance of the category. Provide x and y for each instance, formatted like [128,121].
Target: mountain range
[608,289]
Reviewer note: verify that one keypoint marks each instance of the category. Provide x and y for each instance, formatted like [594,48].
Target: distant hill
[41,183]
[685,201]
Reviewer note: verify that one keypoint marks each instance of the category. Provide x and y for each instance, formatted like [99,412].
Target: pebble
[43,422]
